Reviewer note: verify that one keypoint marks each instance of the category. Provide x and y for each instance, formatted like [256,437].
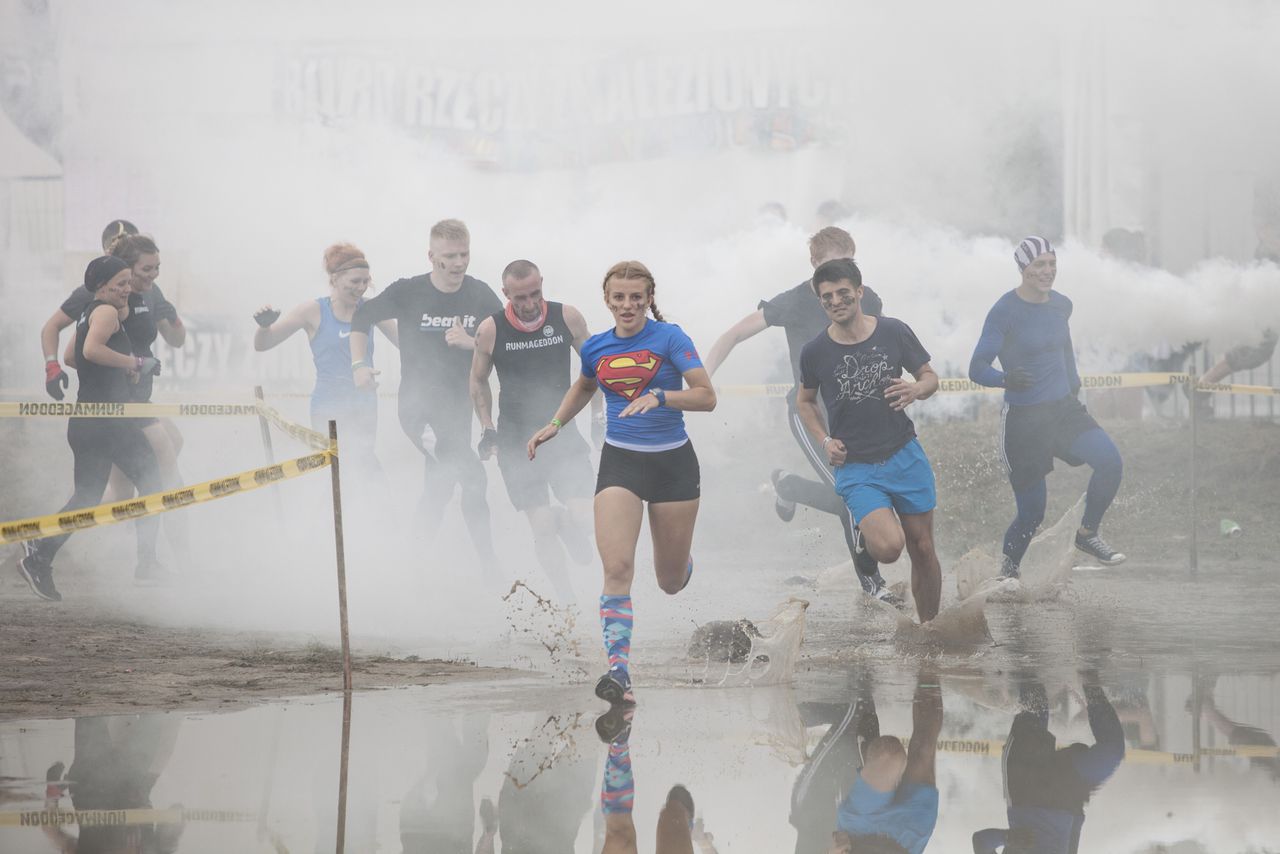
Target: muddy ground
[90,656]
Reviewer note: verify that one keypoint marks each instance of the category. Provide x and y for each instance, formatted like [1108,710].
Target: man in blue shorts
[882,473]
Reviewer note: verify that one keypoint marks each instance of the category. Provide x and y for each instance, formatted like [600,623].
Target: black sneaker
[877,588]
[615,688]
[614,726]
[1009,569]
[786,510]
[1096,547]
[40,578]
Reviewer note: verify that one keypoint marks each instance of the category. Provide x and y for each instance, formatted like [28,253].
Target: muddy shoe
[615,688]
[877,588]
[614,726]
[1097,548]
[39,576]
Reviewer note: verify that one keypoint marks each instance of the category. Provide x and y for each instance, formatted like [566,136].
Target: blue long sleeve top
[1032,336]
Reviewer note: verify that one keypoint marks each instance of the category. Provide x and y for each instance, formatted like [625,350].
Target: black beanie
[102,270]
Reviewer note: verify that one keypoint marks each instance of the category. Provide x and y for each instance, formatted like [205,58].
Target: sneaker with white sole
[1096,547]
[877,588]
[615,688]
[785,509]
[39,576]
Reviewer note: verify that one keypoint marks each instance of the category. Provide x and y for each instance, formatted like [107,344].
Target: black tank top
[99,383]
[533,370]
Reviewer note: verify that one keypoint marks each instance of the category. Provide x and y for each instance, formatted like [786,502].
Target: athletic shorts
[903,482]
[653,476]
[1032,436]
[562,466]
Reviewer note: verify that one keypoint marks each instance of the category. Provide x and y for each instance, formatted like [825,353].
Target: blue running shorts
[903,482]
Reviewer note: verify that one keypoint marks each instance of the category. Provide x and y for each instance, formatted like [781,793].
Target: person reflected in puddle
[546,792]
[1046,786]
[893,806]
[1240,735]
[117,763]
[676,831]
[829,774]
[438,813]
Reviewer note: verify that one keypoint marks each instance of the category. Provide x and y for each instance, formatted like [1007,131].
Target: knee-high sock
[616,620]
[618,790]
[1031,503]
[1096,448]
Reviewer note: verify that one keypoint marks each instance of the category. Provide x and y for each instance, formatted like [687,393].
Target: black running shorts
[1032,436]
[653,476]
[562,466]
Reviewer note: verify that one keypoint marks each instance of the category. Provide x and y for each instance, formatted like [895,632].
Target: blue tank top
[331,350]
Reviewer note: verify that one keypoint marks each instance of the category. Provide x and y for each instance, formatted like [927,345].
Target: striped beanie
[1029,250]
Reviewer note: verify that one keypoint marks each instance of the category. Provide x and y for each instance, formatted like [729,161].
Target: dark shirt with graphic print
[851,379]
[429,367]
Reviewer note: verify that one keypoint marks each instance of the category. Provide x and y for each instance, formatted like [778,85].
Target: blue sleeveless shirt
[331,350]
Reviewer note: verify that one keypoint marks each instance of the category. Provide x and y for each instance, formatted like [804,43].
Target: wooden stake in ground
[341,555]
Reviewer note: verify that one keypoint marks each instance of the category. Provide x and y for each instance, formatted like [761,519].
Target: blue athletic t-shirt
[1033,336]
[907,815]
[625,368]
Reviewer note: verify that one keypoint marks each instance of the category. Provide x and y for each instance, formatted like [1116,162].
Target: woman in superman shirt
[642,365]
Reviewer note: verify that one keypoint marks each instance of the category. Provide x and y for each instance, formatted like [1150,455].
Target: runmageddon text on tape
[160,502]
[118,818]
[995,748]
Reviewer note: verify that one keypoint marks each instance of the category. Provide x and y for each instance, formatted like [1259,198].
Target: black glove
[54,377]
[266,317]
[488,443]
[1018,379]
[149,365]
[166,311]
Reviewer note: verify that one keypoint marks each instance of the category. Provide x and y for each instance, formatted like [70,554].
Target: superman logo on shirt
[628,374]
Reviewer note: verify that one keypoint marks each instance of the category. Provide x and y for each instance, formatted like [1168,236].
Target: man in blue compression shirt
[1027,329]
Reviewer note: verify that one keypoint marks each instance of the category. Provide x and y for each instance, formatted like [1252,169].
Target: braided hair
[634,270]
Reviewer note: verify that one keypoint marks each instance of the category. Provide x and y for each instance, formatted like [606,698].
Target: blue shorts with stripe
[904,482]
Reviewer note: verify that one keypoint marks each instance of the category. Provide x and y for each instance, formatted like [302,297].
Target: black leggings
[99,443]
[450,463]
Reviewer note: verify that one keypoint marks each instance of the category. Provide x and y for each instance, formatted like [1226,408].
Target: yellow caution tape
[964,385]
[306,435]
[53,409]
[117,818]
[995,748]
[160,502]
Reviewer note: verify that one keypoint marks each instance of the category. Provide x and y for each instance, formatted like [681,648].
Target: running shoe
[877,588]
[614,726]
[1096,547]
[615,688]
[40,578]
[786,510]
[1009,569]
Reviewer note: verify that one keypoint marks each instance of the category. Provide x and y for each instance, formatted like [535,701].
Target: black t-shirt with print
[428,365]
[851,379]
[801,317]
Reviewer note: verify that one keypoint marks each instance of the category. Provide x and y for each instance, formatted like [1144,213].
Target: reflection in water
[1046,787]
[863,760]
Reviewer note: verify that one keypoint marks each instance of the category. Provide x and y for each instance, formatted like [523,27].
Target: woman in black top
[108,370]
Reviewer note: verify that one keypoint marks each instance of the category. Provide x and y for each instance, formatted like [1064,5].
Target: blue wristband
[660,394]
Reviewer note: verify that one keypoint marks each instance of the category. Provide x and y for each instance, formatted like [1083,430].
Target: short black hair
[519,269]
[837,270]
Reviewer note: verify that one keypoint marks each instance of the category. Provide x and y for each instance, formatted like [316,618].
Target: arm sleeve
[380,308]
[681,351]
[914,355]
[777,311]
[988,840]
[588,359]
[872,305]
[74,305]
[981,369]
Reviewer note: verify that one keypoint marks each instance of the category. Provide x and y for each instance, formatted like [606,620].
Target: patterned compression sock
[618,791]
[615,621]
